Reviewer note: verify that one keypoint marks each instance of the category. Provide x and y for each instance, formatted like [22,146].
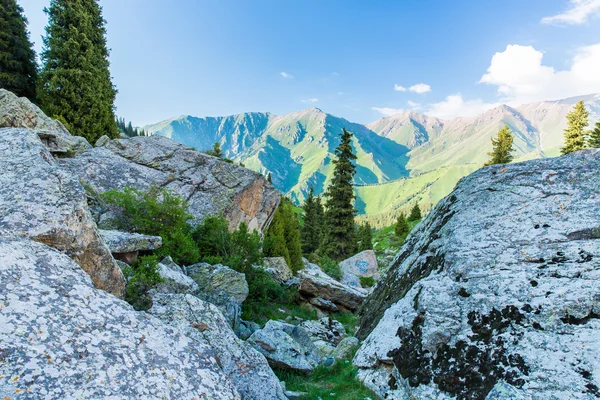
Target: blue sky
[354,59]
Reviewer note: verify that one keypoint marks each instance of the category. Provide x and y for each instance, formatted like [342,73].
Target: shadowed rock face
[63,339]
[40,200]
[210,186]
[496,293]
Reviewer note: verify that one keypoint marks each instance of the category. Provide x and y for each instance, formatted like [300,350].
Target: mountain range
[401,159]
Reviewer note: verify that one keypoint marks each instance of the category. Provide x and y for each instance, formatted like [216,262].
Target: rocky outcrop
[286,346]
[40,200]
[19,112]
[363,264]
[496,293]
[277,267]
[346,348]
[125,246]
[210,186]
[174,279]
[62,338]
[244,366]
[316,283]
[325,333]
[223,287]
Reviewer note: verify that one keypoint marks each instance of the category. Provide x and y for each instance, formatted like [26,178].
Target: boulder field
[496,294]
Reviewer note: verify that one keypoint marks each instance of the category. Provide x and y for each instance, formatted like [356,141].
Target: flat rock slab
[63,339]
[125,242]
[40,200]
[496,292]
[210,186]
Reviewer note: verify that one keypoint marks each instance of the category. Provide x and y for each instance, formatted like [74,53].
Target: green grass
[338,382]
[349,320]
[262,313]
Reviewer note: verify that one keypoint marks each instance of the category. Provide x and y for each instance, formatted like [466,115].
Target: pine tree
[502,147]
[274,242]
[594,138]
[18,67]
[269,179]
[292,236]
[75,81]
[340,240]
[415,213]
[577,121]
[401,227]
[311,231]
[365,237]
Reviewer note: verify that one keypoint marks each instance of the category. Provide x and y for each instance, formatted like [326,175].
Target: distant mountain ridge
[431,153]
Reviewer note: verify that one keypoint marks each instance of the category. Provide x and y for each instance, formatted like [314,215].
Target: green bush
[265,297]
[141,277]
[156,212]
[367,281]
[330,267]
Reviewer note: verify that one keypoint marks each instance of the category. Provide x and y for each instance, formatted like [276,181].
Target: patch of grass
[338,382]
[366,281]
[349,320]
[330,267]
[386,238]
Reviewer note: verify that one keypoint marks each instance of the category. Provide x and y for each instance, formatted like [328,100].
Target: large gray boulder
[223,287]
[286,346]
[316,283]
[40,200]
[325,333]
[243,365]
[277,267]
[61,338]
[19,112]
[174,279]
[125,246]
[210,186]
[499,284]
[363,264]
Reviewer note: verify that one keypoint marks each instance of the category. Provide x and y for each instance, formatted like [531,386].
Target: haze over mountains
[403,158]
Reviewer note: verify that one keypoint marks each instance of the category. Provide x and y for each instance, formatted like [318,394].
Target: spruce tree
[18,67]
[577,121]
[415,213]
[75,81]
[340,240]
[292,236]
[311,231]
[269,179]
[502,147]
[401,227]
[594,139]
[274,242]
[365,237]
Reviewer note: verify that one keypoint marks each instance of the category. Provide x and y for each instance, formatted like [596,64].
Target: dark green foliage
[18,67]
[239,249]
[365,237]
[269,179]
[265,297]
[330,267]
[401,227]
[312,231]
[141,277]
[128,130]
[156,212]
[366,281]
[339,240]
[575,131]
[594,138]
[75,81]
[282,239]
[502,147]
[216,151]
[415,213]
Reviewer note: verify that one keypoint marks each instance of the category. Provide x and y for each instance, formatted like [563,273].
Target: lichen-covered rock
[40,200]
[244,366]
[223,287]
[63,339]
[174,280]
[210,186]
[316,283]
[345,348]
[363,264]
[286,346]
[277,267]
[19,112]
[499,283]
[325,333]
[323,304]
[125,242]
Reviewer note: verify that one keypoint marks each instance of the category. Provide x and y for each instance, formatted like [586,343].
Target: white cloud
[313,100]
[578,12]
[387,111]
[521,77]
[413,104]
[420,88]
[455,106]
[286,75]
[399,88]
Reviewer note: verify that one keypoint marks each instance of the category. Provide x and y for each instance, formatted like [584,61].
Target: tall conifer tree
[502,147]
[340,239]
[575,133]
[401,227]
[75,81]
[365,237]
[594,140]
[312,229]
[18,68]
